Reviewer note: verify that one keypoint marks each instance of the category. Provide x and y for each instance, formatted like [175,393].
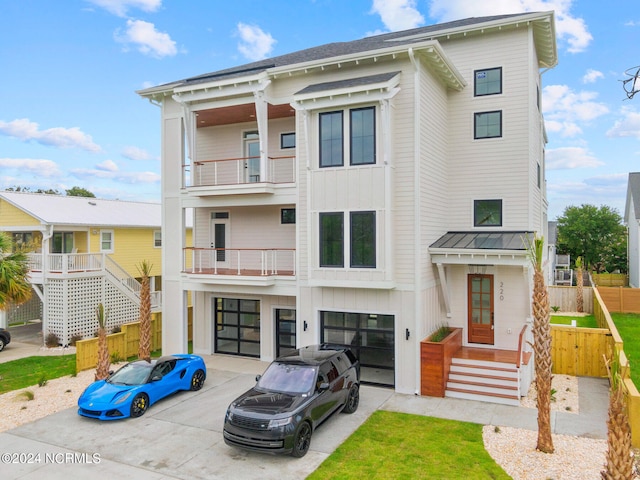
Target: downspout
[416,213]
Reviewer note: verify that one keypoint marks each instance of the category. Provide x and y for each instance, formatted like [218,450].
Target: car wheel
[302,440]
[2,344]
[197,380]
[139,405]
[353,399]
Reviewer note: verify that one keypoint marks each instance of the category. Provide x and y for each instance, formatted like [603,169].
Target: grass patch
[588,321]
[400,445]
[628,325]
[25,372]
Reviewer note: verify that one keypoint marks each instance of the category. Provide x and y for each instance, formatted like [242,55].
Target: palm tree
[102,367]
[14,268]
[619,460]
[144,349]
[579,285]
[541,346]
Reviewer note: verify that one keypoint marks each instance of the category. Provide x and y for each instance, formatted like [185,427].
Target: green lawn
[25,372]
[400,445]
[585,322]
[628,325]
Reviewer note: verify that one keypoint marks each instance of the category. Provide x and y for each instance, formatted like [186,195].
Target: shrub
[27,395]
[51,340]
[439,335]
[43,381]
[75,339]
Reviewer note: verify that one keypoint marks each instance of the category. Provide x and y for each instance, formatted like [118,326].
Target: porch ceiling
[240,114]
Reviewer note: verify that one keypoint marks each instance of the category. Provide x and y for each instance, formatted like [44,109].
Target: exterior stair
[485,381]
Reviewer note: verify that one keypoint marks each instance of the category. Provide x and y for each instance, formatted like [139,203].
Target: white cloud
[398,14]
[107,166]
[627,126]
[135,153]
[255,44]
[565,109]
[123,177]
[120,7]
[147,39]
[41,167]
[591,76]
[26,130]
[570,158]
[568,28]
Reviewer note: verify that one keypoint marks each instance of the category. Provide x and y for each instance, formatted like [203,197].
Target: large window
[487,213]
[488,81]
[363,240]
[331,139]
[363,136]
[332,239]
[488,124]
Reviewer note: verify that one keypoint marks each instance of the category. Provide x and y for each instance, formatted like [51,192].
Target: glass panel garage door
[370,337]
[237,326]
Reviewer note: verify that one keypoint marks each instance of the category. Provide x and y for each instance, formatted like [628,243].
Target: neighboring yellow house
[86,251]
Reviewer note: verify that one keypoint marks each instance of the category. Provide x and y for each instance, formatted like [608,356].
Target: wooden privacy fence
[610,279]
[565,298]
[619,299]
[121,345]
[579,351]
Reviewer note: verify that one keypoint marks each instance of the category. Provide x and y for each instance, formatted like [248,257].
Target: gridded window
[363,239]
[332,239]
[488,124]
[106,240]
[487,213]
[331,139]
[488,81]
[157,239]
[363,136]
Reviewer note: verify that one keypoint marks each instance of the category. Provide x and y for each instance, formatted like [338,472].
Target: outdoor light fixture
[407,333]
[304,325]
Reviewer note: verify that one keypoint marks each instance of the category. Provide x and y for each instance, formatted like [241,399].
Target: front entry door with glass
[252,154]
[480,305]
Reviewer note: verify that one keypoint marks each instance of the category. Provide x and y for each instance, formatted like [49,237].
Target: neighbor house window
[106,240]
[363,135]
[488,81]
[332,239]
[331,139]
[363,239]
[287,140]
[288,215]
[487,213]
[488,125]
[157,239]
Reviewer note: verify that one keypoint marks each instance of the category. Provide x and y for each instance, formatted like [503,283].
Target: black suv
[297,392]
[5,338]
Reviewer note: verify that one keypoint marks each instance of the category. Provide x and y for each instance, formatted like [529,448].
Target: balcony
[240,265]
[232,176]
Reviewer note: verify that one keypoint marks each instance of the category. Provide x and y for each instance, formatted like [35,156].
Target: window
[21,240]
[539,177]
[287,215]
[488,125]
[331,139]
[363,136]
[287,140]
[157,239]
[487,213]
[106,240]
[363,239]
[488,81]
[332,239]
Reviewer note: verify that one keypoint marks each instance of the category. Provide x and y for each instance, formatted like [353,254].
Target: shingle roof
[65,210]
[372,43]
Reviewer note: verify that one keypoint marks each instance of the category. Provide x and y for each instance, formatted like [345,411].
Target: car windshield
[287,378]
[131,374]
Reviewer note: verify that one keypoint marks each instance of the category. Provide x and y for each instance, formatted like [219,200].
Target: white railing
[240,261]
[236,171]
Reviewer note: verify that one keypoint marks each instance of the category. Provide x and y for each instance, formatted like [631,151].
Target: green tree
[596,234]
[79,192]
[14,268]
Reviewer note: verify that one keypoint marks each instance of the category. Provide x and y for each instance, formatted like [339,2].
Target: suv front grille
[250,423]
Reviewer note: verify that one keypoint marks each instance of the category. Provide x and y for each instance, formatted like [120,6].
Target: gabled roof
[543,29]
[65,210]
[633,193]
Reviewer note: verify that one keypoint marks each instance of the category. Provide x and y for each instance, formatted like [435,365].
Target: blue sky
[69,114]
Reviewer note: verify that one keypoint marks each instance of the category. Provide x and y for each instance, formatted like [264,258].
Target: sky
[69,72]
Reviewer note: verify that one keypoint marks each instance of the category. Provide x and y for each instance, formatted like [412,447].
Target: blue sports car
[138,385]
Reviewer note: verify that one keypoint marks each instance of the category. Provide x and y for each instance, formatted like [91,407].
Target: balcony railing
[238,171]
[240,261]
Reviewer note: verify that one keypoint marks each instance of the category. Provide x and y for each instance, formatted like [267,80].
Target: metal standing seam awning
[478,248]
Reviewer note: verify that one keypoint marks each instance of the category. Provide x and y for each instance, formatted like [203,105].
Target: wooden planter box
[435,361]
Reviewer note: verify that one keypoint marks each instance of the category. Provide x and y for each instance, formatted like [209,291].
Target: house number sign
[501,291]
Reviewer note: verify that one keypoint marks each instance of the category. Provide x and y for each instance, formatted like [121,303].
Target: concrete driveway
[180,437]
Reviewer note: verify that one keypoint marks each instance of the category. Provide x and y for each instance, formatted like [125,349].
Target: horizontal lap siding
[11,216]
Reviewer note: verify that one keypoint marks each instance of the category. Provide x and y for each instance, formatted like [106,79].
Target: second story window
[487,81]
[106,241]
[353,130]
[332,239]
[487,125]
[363,136]
[157,239]
[487,213]
[331,139]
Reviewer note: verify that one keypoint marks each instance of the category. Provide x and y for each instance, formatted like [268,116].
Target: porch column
[262,117]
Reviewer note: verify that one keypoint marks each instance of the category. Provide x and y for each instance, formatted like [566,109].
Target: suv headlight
[280,422]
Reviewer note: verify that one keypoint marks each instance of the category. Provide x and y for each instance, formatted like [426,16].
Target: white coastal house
[362,193]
